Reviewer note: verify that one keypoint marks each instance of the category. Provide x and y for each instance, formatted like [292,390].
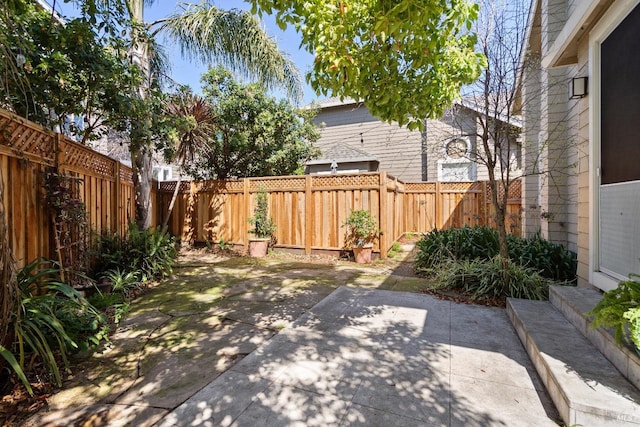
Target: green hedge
[549,260]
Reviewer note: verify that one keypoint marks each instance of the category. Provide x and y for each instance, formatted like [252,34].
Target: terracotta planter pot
[258,247]
[362,254]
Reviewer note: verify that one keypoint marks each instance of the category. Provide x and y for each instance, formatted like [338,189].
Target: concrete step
[585,387]
[574,303]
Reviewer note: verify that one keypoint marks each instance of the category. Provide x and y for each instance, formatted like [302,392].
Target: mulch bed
[465,298]
[16,404]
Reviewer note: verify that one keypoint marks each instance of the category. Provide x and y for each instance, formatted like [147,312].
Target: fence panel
[26,151]
[309,210]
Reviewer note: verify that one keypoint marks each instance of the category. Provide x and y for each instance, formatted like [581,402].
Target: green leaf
[8,356]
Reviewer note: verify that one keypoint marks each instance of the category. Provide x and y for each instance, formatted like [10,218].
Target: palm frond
[195,120]
[235,39]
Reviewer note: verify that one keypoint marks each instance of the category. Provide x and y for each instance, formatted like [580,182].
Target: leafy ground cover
[466,261]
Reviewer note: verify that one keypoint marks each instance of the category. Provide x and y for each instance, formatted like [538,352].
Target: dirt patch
[465,298]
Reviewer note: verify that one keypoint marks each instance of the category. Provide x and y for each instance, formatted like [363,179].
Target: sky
[189,73]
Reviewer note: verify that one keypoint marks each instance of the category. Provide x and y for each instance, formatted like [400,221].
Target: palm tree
[194,121]
[206,33]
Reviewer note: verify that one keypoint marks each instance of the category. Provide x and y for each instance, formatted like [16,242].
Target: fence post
[115,208]
[308,214]
[60,156]
[382,194]
[246,202]
[438,206]
[485,204]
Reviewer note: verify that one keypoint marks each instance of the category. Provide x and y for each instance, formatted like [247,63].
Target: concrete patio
[376,357]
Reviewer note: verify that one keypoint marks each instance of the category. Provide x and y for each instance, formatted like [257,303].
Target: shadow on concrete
[356,357]
[364,357]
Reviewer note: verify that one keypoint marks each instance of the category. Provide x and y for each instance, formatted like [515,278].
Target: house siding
[583,185]
[455,123]
[569,145]
[404,154]
[553,138]
[398,149]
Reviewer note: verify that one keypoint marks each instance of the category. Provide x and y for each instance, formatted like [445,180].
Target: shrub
[122,282]
[361,228]
[438,246]
[550,260]
[620,309]
[102,301]
[263,225]
[50,319]
[148,254]
[483,279]
[114,304]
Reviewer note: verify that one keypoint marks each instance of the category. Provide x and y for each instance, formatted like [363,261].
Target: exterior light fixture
[578,87]
[334,166]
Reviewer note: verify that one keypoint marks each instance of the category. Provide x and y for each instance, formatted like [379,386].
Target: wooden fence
[309,210]
[26,151]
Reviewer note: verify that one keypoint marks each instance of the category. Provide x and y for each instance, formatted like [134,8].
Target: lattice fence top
[218,186]
[213,186]
[278,184]
[515,190]
[170,186]
[461,186]
[126,174]
[81,157]
[348,181]
[27,137]
[420,186]
[234,186]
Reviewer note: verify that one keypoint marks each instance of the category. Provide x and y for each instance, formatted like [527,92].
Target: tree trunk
[173,201]
[9,291]
[500,206]
[142,179]
[140,145]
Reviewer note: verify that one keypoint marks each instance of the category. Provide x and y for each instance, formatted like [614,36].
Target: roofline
[533,9]
[336,103]
[512,120]
[579,23]
[470,105]
[49,9]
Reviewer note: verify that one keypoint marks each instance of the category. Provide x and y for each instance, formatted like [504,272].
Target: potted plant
[620,309]
[362,231]
[263,226]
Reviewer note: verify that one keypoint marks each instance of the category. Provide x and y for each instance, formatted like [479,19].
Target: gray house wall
[342,167]
[398,150]
[407,155]
[551,137]
[568,139]
[455,123]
